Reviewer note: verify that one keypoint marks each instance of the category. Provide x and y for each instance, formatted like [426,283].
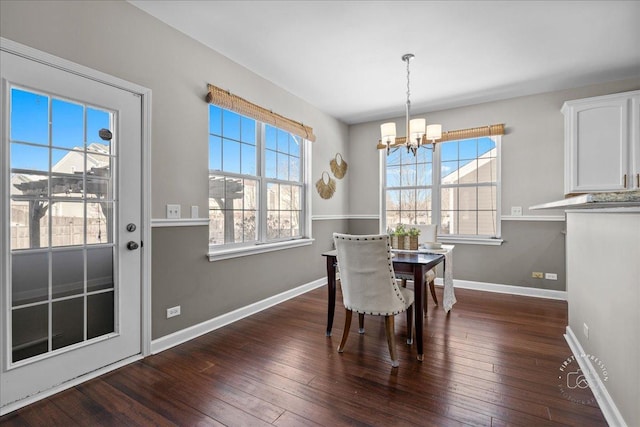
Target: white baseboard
[606,403]
[195,331]
[507,289]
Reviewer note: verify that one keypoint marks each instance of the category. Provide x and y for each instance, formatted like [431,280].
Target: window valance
[225,99]
[452,135]
[489,130]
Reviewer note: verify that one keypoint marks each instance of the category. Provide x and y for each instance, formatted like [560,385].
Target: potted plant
[398,237]
[411,241]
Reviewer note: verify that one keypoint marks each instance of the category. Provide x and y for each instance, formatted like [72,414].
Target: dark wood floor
[494,361]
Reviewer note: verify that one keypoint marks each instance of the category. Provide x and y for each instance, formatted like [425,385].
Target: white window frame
[262,245]
[436,192]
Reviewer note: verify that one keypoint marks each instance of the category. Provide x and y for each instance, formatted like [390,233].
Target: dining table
[413,263]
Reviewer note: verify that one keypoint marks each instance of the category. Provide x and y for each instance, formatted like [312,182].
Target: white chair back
[428,233]
[366,274]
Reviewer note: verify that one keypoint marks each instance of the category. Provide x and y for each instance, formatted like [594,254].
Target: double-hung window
[257,189]
[456,186]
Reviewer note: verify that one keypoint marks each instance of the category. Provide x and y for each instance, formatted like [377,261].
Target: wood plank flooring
[493,361]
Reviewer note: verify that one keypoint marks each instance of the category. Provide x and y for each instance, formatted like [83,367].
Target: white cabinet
[602,143]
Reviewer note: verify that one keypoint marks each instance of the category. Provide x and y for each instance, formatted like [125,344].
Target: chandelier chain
[408,59]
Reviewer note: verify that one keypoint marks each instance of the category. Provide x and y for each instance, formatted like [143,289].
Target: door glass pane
[67,273]
[99,268]
[36,107]
[27,158]
[96,121]
[30,331]
[99,223]
[29,224]
[29,277]
[67,322]
[67,223]
[67,124]
[100,318]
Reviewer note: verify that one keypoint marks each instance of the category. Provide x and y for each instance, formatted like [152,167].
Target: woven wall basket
[326,189]
[338,166]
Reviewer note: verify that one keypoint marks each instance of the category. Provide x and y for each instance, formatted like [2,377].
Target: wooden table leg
[418,288]
[331,288]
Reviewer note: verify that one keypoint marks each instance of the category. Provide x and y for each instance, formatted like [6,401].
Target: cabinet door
[635,143]
[598,135]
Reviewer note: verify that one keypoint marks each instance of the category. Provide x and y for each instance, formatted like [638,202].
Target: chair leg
[360,323]
[345,332]
[410,325]
[432,288]
[389,329]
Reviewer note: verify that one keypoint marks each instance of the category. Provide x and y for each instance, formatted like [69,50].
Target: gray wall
[603,250]
[532,173]
[119,39]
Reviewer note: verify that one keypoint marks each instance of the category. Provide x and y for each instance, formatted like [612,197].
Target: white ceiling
[344,57]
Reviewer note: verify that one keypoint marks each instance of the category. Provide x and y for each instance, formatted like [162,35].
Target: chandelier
[418,133]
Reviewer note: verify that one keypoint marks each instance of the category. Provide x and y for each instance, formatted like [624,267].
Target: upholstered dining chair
[369,285]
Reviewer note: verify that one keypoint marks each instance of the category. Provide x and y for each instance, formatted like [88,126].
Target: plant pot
[411,243]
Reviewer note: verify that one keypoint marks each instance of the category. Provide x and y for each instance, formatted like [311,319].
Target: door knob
[132,246]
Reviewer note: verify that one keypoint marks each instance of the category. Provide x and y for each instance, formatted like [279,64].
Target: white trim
[217,255]
[470,241]
[45,58]
[66,385]
[533,218]
[195,331]
[145,225]
[604,399]
[178,222]
[344,216]
[507,289]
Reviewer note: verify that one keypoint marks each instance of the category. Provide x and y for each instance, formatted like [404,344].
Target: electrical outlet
[585,330]
[551,276]
[516,210]
[173,211]
[173,311]
[537,275]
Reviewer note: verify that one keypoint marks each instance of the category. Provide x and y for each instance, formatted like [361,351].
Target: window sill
[470,241]
[220,254]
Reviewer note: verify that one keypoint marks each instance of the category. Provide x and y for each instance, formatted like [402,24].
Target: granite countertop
[615,199]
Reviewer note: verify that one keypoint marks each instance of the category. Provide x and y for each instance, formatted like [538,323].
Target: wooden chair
[369,285]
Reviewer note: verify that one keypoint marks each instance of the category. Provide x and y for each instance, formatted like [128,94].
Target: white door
[71,281]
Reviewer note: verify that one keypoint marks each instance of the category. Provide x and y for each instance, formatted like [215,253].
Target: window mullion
[436,192]
[262,206]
